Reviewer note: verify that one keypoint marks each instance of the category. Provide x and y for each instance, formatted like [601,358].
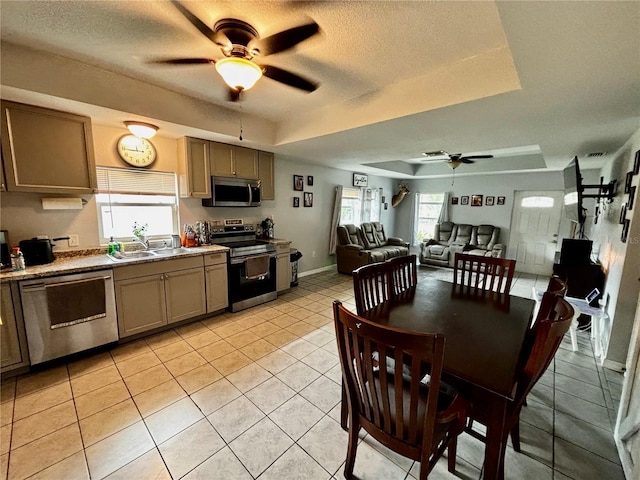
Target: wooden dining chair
[403,274]
[545,338]
[371,286]
[483,274]
[407,416]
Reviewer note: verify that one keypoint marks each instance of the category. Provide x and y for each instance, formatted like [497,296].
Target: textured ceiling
[396,78]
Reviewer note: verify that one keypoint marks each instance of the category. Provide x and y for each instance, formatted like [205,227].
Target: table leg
[497,436]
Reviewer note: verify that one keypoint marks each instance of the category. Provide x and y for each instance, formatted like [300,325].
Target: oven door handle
[236,261]
[42,286]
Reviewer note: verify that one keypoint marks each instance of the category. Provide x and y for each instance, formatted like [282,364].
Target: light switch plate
[74,241]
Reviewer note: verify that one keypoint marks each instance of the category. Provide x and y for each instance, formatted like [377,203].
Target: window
[428,206]
[360,205]
[142,196]
[541,202]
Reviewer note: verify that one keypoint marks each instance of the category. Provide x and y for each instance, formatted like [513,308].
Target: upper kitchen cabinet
[194,167]
[265,173]
[231,161]
[47,151]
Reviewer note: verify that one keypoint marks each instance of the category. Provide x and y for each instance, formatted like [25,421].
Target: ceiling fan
[453,159]
[240,43]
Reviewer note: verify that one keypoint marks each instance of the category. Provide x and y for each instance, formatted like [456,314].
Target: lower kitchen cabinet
[151,295]
[185,293]
[13,349]
[215,272]
[141,304]
[283,267]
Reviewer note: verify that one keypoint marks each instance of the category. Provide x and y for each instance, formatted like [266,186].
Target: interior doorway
[535,223]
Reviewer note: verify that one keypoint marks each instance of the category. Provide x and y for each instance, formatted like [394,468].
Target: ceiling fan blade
[185,61]
[288,78]
[279,42]
[219,38]
[476,156]
[465,160]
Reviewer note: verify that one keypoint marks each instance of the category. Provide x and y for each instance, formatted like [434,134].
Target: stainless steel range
[251,268]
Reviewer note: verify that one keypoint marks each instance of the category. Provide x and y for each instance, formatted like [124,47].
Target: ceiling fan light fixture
[238,73]
[141,129]
[454,164]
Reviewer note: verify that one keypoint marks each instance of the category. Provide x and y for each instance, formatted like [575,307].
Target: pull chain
[240,137]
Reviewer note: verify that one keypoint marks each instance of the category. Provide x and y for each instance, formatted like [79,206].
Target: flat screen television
[575,252]
[573,190]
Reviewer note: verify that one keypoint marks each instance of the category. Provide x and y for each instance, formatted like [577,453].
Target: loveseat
[450,238]
[365,244]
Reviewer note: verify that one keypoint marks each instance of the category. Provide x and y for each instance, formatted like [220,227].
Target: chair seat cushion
[377,255]
[439,251]
[479,251]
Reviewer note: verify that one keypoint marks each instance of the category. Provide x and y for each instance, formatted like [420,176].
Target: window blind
[140,182]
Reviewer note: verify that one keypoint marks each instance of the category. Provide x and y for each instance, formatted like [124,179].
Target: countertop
[78,264]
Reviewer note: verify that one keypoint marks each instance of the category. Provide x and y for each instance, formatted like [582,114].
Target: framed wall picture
[310,180]
[476,200]
[625,231]
[454,200]
[636,163]
[501,200]
[464,200]
[627,182]
[308,199]
[632,196]
[360,180]
[623,213]
[490,201]
[296,202]
[298,183]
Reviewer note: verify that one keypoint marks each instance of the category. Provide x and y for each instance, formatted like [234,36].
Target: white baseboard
[616,366]
[318,270]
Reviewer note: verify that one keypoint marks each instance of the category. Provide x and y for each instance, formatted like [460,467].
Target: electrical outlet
[313,254]
[74,241]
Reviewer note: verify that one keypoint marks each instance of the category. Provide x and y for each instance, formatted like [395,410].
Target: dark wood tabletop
[484,333]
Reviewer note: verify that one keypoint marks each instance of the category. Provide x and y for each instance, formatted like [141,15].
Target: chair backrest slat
[404,275]
[371,286]
[483,274]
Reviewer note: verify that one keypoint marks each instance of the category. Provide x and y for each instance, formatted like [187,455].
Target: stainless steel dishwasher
[66,314]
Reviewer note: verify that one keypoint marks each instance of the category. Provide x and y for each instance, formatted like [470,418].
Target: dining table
[485,347]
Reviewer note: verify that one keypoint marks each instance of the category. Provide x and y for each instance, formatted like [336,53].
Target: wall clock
[137,152]
[360,180]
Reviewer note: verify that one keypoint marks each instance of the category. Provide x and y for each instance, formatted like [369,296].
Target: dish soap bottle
[17,260]
[113,247]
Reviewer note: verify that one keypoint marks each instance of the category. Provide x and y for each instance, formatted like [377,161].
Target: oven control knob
[250,227]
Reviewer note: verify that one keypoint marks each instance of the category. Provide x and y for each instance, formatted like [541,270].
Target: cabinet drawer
[215,258]
[154,268]
[283,248]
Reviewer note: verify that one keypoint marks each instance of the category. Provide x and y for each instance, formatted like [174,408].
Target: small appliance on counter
[5,250]
[39,250]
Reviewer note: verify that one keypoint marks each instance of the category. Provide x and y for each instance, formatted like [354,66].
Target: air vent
[596,154]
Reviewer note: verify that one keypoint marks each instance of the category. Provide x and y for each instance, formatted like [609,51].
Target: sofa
[450,238]
[368,243]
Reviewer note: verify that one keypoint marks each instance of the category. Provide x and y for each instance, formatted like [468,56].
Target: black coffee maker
[5,251]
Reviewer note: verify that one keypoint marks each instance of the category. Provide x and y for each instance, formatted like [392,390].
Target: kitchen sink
[169,251]
[132,255]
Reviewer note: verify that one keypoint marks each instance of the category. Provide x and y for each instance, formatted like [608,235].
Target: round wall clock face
[138,152]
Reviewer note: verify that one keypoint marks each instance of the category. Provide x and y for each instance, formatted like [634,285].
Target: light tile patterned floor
[256,395]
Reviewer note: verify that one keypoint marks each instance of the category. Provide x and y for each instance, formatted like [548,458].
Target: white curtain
[414,220]
[335,220]
[444,210]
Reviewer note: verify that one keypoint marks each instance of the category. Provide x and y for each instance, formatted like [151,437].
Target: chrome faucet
[143,242]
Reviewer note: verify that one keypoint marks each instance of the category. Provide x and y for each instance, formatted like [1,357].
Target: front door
[627,432]
[534,230]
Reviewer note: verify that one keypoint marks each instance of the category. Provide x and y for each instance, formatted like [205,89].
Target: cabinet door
[246,162]
[47,151]
[141,304]
[283,272]
[221,159]
[265,173]
[217,292]
[185,293]
[194,158]
[10,353]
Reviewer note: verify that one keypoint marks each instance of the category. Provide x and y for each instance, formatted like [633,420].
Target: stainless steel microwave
[234,192]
